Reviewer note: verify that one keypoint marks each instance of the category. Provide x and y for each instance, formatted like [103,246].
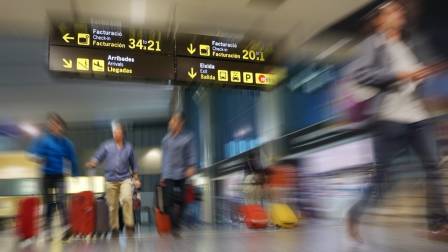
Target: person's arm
[36,151]
[368,70]
[71,156]
[98,157]
[191,158]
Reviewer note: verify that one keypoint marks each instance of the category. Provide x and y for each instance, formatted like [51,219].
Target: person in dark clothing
[388,64]
[178,164]
[50,151]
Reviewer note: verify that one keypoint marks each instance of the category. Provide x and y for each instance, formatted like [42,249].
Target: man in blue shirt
[120,169]
[178,163]
[50,151]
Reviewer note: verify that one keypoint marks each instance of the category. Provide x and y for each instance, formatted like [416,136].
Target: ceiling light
[153,153]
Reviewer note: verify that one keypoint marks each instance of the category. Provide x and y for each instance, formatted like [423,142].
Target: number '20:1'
[252,55]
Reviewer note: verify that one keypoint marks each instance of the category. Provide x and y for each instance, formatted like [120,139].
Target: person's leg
[137,221]
[389,140]
[179,192]
[424,144]
[48,201]
[62,207]
[61,200]
[198,212]
[120,217]
[126,189]
[187,215]
[168,192]
[138,217]
[173,204]
[112,193]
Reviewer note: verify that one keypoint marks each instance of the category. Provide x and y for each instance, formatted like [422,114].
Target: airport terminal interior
[237,125]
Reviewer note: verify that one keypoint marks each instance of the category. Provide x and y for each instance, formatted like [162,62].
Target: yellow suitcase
[283,216]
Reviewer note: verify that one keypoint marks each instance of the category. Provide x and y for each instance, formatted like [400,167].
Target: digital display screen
[228,73]
[111,63]
[223,48]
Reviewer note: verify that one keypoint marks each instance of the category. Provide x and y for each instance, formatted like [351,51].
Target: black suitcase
[102,217]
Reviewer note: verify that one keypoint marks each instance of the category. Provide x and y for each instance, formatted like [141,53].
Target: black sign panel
[110,36]
[108,49]
[223,48]
[228,73]
[111,63]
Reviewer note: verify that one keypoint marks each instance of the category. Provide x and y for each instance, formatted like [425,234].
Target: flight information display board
[112,63]
[190,45]
[100,36]
[108,49]
[228,73]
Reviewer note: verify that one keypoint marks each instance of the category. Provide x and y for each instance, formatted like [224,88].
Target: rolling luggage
[28,218]
[283,216]
[82,214]
[254,216]
[162,220]
[159,199]
[102,217]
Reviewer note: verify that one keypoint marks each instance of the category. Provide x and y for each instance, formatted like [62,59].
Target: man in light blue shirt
[120,169]
[178,163]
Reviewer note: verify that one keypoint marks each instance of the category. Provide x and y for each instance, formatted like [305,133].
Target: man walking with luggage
[388,64]
[50,151]
[121,177]
[178,163]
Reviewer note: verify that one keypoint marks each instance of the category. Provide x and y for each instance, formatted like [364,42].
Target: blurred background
[314,158]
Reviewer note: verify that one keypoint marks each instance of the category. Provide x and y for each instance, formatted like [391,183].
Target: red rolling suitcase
[162,220]
[28,218]
[254,216]
[82,213]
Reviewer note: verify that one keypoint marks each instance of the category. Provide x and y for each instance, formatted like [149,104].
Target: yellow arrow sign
[67,38]
[192,73]
[191,49]
[67,63]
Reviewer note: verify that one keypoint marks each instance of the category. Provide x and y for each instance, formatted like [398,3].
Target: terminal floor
[314,237]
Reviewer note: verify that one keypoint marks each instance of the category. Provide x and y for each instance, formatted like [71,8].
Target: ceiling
[28,91]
